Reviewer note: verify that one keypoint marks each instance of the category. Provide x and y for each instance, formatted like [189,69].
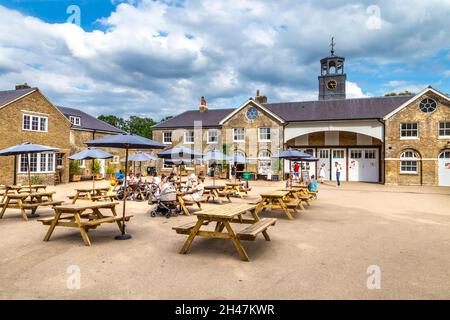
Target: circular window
[428,105]
[252,113]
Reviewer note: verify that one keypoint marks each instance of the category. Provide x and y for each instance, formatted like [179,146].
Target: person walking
[296,171]
[338,173]
[322,173]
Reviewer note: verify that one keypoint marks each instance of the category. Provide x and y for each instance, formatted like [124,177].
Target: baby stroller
[166,202]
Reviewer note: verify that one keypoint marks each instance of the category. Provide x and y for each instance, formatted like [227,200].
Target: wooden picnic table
[235,188]
[93,194]
[5,189]
[31,201]
[184,203]
[224,216]
[276,200]
[75,216]
[215,192]
[296,195]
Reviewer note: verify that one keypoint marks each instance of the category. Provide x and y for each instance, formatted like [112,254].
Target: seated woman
[198,188]
[312,185]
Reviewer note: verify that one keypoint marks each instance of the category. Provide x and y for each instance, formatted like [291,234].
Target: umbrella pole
[124,236]
[93,174]
[28,168]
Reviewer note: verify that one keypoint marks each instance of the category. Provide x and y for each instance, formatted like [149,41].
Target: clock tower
[332,77]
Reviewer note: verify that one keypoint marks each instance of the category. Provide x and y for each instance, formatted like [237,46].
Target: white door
[309,166]
[370,166]
[324,160]
[338,155]
[444,168]
[355,165]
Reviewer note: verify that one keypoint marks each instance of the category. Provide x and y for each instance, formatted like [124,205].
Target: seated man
[312,184]
[120,176]
[197,190]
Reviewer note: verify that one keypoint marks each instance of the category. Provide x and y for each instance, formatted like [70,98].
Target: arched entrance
[444,168]
[359,155]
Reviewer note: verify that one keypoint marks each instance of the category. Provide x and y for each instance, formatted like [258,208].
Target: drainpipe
[15,171]
[383,167]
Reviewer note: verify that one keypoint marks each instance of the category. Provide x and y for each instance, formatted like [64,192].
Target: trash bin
[246,176]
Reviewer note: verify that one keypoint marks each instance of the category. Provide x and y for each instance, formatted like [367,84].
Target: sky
[157,58]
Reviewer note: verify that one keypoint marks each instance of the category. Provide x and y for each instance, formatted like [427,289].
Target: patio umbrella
[215,155]
[141,157]
[91,154]
[125,141]
[292,154]
[178,153]
[26,148]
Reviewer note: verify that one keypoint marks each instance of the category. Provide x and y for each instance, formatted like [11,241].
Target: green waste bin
[246,176]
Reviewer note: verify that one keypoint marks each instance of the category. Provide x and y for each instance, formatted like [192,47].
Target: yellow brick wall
[428,145]
[12,134]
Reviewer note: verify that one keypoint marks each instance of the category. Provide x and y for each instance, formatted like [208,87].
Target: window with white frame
[370,154]
[34,123]
[82,163]
[238,134]
[264,134]
[189,137]
[409,162]
[213,136]
[356,154]
[38,162]
[76,121]
[115,159]
[167,137]
[409,130]
[167,165]
[264,162]
[444,129]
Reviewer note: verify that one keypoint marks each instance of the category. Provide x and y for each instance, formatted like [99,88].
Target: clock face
[332,84]
[252,113]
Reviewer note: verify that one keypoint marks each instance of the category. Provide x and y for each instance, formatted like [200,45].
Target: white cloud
[354,91]
[156,58]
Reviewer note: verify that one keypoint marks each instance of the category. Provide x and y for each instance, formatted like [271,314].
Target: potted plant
[109,172]
[97,167]
[75,171]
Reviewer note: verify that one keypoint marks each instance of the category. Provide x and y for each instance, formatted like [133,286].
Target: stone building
[26,115]
[395,140]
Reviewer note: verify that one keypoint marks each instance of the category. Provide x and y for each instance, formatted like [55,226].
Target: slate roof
[9,96]
[348,109]
[209,118]
[89,122]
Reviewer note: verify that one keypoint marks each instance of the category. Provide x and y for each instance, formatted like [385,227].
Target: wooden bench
[250,232]
[97,222]
[186,228]
[293,203]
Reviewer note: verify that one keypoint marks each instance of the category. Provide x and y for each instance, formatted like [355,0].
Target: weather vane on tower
[332,44]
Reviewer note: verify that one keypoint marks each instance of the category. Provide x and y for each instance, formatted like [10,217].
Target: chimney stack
[260,99]
[22,86]
[203,107]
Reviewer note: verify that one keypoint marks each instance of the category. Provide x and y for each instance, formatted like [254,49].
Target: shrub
[74,168]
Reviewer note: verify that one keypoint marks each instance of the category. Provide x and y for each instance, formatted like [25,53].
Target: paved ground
[323,254]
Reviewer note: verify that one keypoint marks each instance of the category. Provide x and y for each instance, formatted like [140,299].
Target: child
[322,173]
[312,185]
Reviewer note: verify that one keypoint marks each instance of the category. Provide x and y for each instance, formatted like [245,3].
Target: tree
[115,121]
[141,126]
[404,93]
[166,118]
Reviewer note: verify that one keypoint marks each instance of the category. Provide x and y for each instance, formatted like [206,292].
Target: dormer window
[76,121]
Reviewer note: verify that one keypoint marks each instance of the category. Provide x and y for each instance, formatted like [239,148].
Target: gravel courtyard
[323,254]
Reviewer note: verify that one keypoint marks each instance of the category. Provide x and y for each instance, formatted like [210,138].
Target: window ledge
[444,137]
[409,138]
[409,173]
[264,140]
